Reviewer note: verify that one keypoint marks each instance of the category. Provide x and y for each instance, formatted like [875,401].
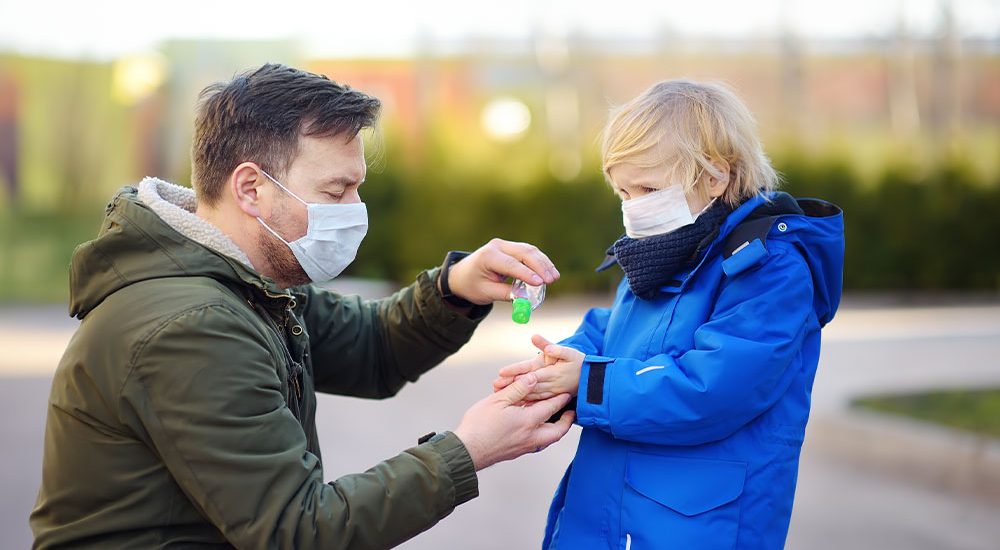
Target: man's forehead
[331,159]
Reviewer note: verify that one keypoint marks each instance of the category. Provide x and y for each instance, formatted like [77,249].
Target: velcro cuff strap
[595,383]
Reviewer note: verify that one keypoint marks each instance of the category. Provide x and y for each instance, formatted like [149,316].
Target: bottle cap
[522,311]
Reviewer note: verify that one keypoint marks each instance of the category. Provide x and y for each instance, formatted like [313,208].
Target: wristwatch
[431,438]
[453,257]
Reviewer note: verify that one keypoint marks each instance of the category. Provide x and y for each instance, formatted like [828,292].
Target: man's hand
[480,277]
[557,370]
[499,428]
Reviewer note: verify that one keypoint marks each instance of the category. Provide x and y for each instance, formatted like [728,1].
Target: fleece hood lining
[176,205]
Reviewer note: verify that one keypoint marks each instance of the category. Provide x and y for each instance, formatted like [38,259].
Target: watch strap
[431,437]
[450,259]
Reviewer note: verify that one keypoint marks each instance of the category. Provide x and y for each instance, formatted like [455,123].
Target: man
[183,410]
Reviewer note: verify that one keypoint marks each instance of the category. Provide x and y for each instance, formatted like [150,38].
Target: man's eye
[335,196]
[648,189]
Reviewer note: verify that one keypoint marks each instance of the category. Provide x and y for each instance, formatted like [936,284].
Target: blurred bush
[919,220]
[910,229]
[907,229]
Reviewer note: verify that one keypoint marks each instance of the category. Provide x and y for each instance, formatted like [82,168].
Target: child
[694,387]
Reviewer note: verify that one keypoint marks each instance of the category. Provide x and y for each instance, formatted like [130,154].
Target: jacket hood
[135,244]
[815,227]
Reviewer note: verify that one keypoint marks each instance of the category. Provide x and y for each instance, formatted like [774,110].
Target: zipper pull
[296,371]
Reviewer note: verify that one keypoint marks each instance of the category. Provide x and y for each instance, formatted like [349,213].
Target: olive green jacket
[183,411]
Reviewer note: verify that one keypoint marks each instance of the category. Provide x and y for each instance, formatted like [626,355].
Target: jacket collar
[135,244]
[176,205]
[756,206]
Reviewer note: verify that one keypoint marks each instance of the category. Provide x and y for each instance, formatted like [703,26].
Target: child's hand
[561,374]
[509,373]
[557,370]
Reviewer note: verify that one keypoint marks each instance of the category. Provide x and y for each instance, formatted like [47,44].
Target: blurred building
[74,129]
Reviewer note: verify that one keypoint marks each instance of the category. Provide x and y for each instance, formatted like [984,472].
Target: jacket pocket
[673,502]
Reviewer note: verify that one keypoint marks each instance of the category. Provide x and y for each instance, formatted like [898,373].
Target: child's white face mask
[658,212]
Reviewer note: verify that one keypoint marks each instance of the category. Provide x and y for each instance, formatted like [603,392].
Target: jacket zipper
[298,387]
[293,376]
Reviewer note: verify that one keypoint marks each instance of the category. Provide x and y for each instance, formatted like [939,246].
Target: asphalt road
[837,505]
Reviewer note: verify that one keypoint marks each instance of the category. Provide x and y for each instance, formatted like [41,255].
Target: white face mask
[332,238]
[658,212]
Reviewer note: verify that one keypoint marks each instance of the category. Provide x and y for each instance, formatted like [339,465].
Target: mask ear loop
[273,232]
[694,182]
[707,206]
[285,189]
[697,177]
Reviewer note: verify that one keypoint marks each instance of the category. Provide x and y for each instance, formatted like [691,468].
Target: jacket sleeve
[371,348]
[589,337]
[204,395]
[739,366]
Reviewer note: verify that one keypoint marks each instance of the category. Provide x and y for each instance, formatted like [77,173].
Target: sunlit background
[890,108]
[491,116]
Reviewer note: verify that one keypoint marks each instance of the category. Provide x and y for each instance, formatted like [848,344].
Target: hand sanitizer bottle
[526,299]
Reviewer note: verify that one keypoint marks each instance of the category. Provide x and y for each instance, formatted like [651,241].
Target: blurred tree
[10,150]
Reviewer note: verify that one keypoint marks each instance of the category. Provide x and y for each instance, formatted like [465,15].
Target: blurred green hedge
[935,229]
[907,229]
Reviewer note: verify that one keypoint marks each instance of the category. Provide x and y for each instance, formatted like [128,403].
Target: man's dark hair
[258,116]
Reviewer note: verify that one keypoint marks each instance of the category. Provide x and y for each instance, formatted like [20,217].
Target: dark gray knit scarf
[651,262]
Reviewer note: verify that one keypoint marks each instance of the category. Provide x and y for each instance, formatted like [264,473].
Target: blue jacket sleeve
[589,337]
[739,366]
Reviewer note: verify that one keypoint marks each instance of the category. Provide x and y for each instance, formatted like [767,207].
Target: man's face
[327,170]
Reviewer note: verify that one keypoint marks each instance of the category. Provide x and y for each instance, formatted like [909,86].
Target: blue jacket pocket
[673,502]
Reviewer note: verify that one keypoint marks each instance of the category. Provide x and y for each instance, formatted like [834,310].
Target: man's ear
[717,185]
[247,188]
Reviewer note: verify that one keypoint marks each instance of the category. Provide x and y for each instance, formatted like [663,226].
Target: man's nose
[351,197]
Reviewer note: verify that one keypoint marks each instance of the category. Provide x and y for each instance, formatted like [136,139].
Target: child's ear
[719,181]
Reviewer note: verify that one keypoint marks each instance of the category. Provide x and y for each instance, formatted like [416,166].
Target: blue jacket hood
[815,227]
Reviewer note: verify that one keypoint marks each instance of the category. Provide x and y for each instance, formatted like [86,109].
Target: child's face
[631,181]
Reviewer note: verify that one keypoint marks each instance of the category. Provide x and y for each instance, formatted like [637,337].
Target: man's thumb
[519,389]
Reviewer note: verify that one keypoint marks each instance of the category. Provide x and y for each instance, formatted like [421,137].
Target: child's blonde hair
[700,123]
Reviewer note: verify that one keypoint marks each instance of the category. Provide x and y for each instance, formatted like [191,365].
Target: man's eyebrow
[343,180]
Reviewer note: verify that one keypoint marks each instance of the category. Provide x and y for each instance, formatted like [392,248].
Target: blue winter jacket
[694,404]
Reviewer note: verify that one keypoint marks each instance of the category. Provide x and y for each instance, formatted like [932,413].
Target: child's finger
[540,342]
[560,352]
[550,387]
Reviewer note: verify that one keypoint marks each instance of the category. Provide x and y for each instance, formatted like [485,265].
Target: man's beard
[287,271]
